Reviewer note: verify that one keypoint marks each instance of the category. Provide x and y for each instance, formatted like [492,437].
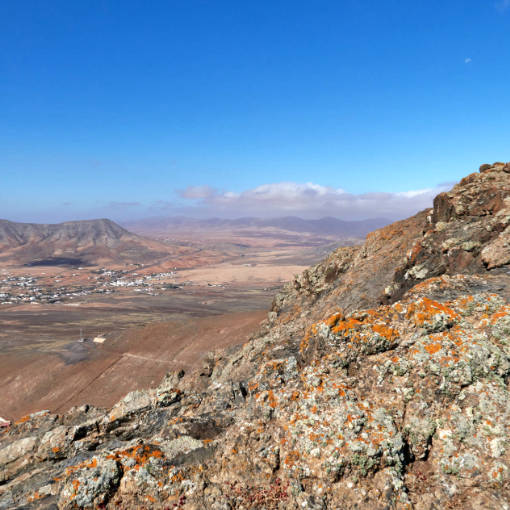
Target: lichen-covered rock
[90,485]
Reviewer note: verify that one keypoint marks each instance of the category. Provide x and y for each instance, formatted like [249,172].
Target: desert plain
[76,334]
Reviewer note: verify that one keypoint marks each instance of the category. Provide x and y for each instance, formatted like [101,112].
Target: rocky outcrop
[353,277]
[365,389]
[466,232]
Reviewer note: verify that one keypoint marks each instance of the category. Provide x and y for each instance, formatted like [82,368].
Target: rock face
[380,380]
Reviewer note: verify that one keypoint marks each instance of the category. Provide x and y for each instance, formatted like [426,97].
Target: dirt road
[137,358]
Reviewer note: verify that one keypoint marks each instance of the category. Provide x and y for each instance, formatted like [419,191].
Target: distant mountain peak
[88,241]
[325,226]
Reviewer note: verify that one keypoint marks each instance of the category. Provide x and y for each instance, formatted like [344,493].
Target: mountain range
[323,226]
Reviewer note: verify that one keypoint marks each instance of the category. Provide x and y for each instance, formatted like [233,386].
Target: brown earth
[42,364]
[136,359]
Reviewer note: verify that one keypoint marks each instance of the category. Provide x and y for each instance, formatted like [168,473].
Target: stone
[92,486]
[134,402]
[55,443]
[181,445]
[497,253]
[14,455]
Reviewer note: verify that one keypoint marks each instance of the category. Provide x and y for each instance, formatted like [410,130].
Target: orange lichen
[271,399]
[35,496]
[141,454]
[347,324]
[178,477]
[415,250]
[384,331]
[82,465]
[76,484]
[332,321]
[24,419]
[398,307]
[275,365]
[497,472]
[312,330]
[433,348]
[424,310]
[504,311]
[291,458]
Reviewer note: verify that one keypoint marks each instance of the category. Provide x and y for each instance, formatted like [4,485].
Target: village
[45,288]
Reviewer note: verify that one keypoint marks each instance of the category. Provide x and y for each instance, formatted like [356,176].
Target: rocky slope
[380,380]
[74,242]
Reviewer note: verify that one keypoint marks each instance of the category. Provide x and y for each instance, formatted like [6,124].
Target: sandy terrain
[215,298]
[236,273]
[137,359]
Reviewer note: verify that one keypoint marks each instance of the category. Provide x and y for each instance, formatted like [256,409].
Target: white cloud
[468,60]
[308,200]
[197,192]
[415,193]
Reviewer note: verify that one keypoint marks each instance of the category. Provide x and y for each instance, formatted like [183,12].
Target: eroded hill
[380,380]
[75,243]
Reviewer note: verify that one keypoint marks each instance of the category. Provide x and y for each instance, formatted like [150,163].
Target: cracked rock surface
[380,381]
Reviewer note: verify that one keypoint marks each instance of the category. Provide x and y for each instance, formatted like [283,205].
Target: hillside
[74,243]
[379,380]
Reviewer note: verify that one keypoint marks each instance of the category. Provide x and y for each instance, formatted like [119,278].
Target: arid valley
[74,334]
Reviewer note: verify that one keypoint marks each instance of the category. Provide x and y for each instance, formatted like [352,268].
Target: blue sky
[131,109]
